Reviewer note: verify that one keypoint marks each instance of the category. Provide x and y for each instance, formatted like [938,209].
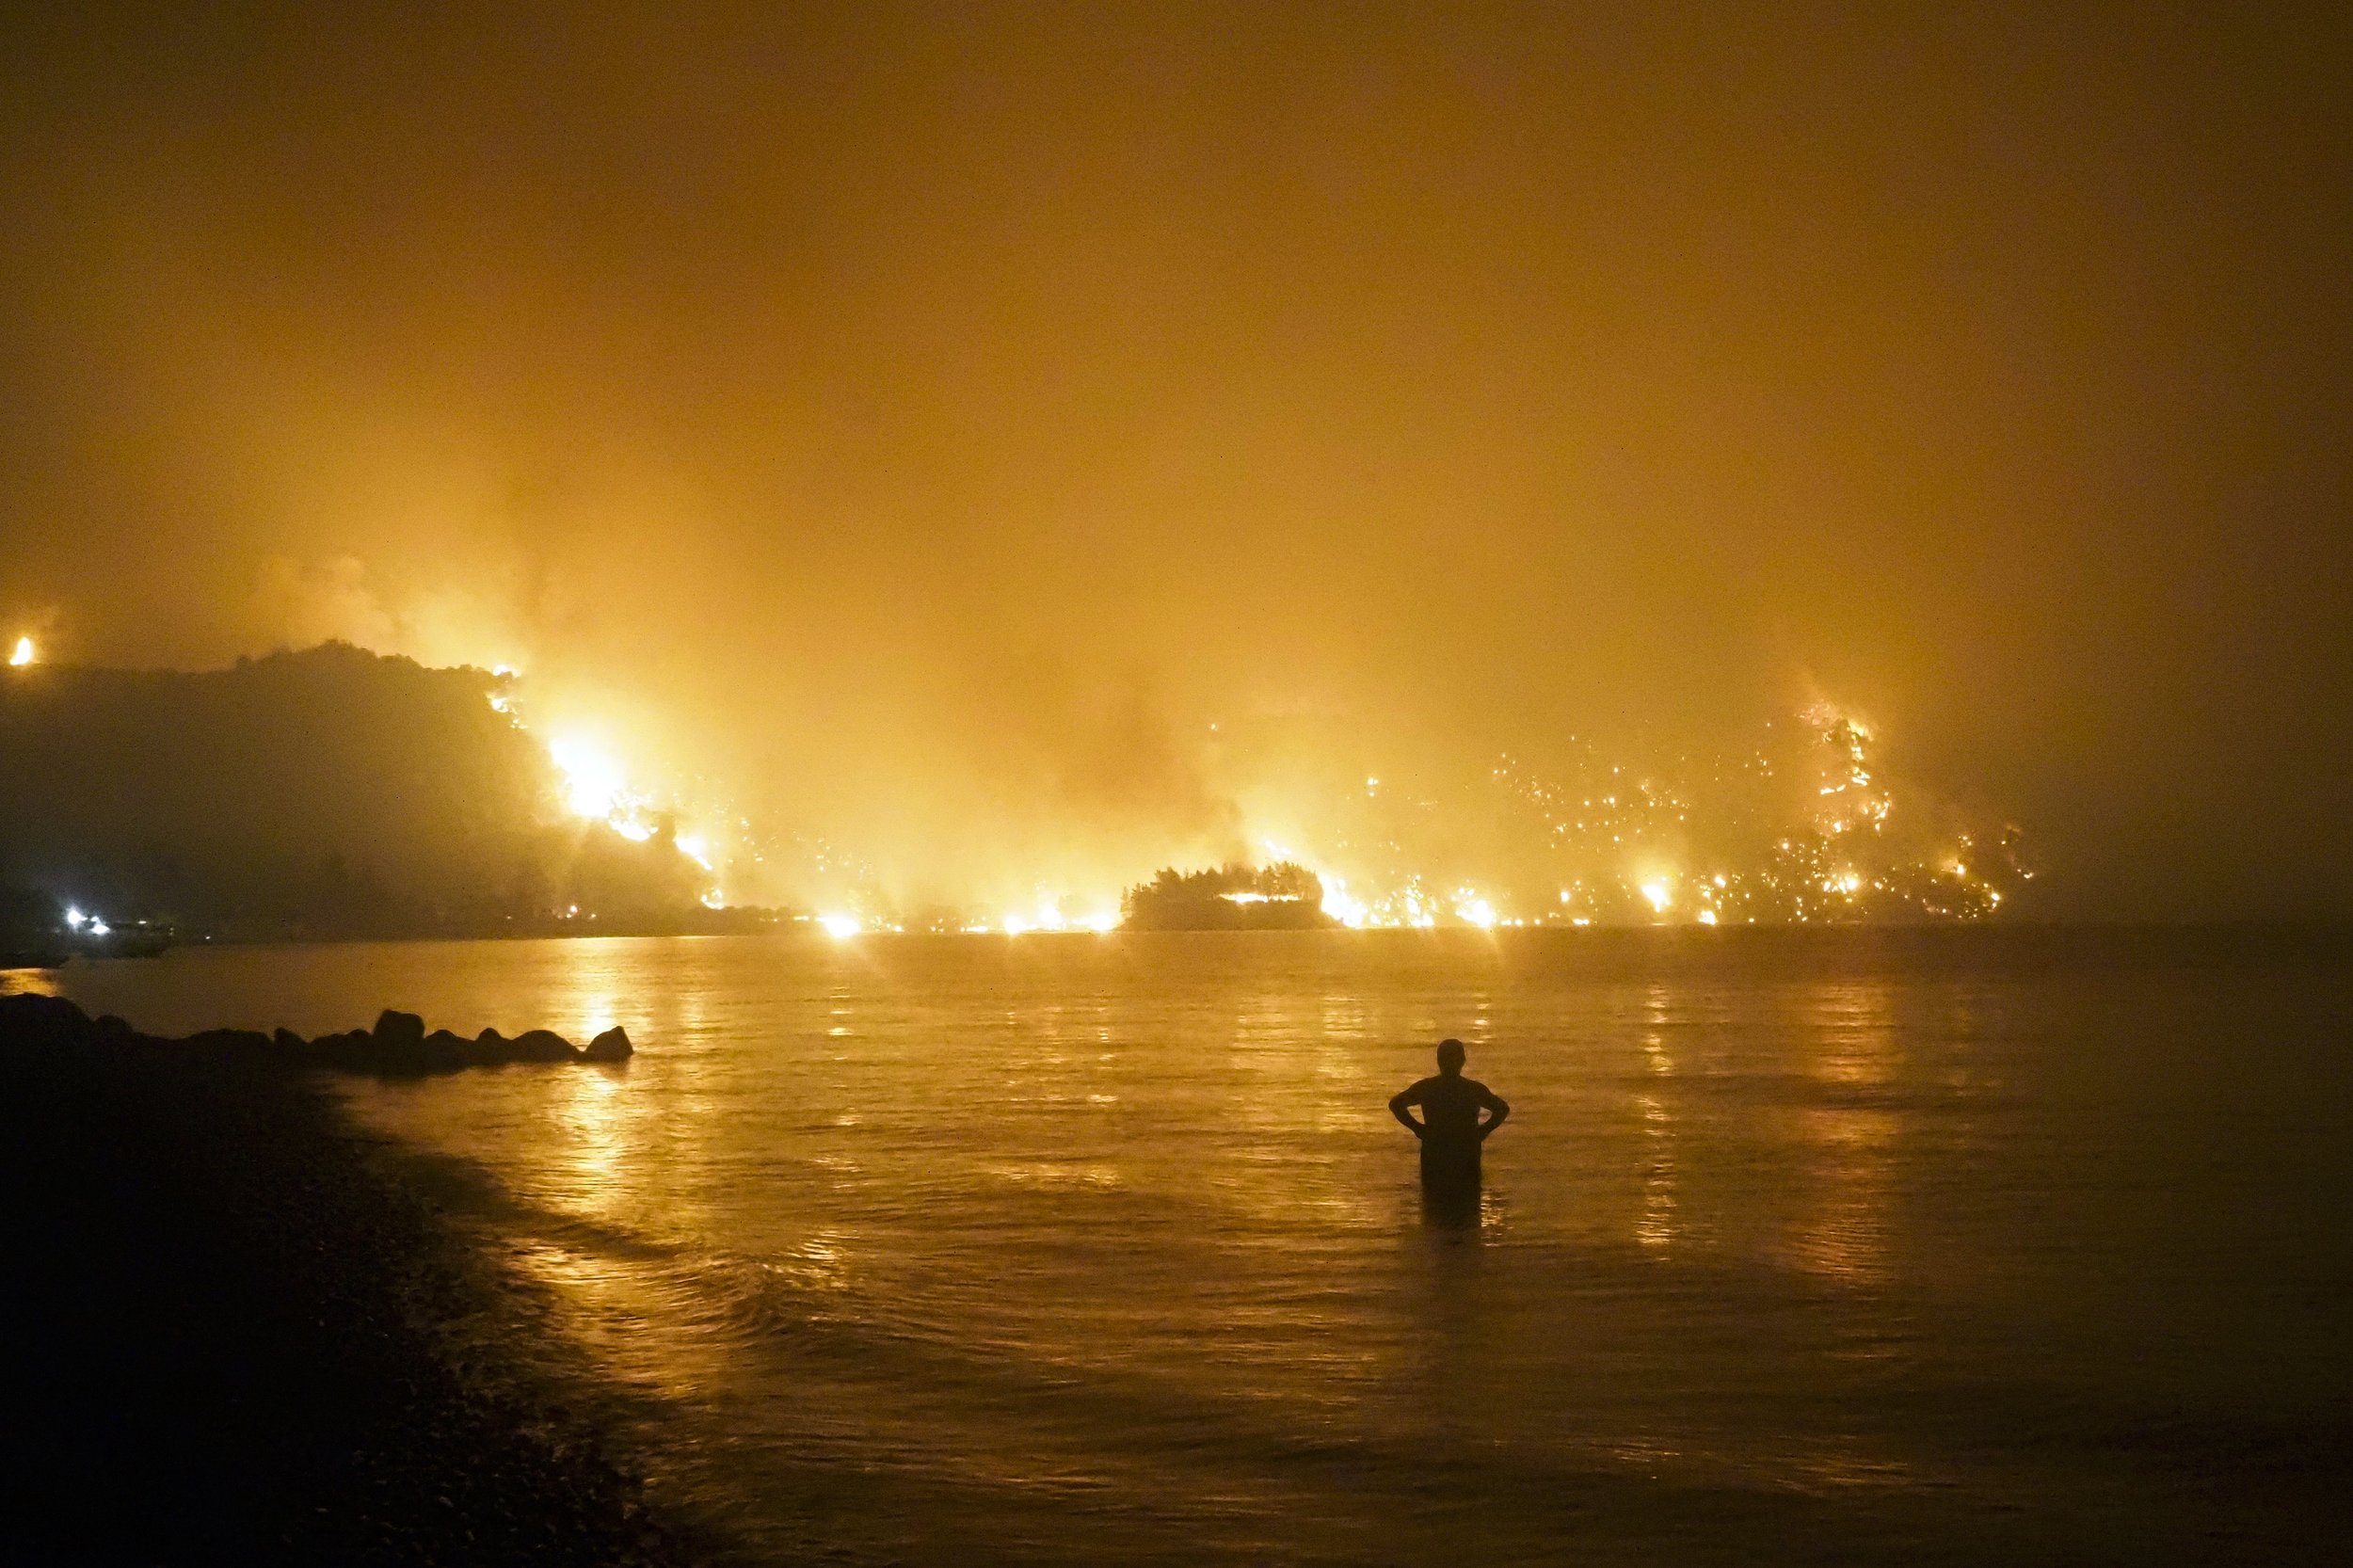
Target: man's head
[1451,1057]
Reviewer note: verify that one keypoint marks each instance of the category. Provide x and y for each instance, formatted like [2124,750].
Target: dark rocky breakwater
[244,1331]
[398,1044]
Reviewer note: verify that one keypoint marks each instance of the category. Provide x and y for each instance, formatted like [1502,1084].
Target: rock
[228,1041]
[612,1046]
[543,1044]
[52,1020]
[351,1049]
[397,1045]
[443,1049]
[402,1033]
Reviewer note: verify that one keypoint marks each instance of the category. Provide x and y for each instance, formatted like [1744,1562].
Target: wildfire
[1048,916]
[594,786]
[1806,828]
[1340,904]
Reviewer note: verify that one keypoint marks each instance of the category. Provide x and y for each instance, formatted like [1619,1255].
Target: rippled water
[1969,1246]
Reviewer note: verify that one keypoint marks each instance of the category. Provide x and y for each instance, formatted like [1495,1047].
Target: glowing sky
[924,425]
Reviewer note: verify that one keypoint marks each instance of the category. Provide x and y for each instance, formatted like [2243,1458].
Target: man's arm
[1497,1111]
[1399,1101]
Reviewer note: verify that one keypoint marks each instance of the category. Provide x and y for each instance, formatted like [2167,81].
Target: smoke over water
[1046,800]
[975,457]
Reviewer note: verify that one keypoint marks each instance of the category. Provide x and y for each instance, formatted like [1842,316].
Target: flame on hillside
[594,785]
[1805,829]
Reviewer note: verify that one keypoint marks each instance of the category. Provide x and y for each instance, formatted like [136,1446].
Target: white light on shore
[24,652]
[840,926]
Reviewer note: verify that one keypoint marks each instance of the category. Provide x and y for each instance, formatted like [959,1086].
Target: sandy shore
[243,1335]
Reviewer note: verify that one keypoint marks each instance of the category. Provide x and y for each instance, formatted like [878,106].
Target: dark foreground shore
[240,1335]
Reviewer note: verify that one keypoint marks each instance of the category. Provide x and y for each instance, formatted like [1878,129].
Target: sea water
[1972,1246]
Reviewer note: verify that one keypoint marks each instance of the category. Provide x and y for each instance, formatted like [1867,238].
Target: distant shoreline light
[23,653]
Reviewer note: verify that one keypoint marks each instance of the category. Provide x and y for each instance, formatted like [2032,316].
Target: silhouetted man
[1449,1128]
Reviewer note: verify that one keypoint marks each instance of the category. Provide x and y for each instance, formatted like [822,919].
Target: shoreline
[2006,927]
[251,1336]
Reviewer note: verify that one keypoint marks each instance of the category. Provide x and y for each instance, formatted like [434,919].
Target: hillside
[330,791]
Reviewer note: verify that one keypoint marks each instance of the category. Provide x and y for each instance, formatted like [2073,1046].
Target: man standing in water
[1449,1128]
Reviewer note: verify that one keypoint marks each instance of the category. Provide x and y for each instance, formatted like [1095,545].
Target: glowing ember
[1805,829]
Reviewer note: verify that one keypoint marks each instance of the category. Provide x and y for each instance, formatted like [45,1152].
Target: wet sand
[245,1334]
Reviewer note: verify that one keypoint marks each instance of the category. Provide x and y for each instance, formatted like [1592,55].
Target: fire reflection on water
[1109,1212]
[1295,1094]
[1848,1136]
[1656,1229]
[590,1126]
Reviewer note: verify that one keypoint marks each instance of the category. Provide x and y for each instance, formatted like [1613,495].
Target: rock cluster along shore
[397,1045]
[247,1332]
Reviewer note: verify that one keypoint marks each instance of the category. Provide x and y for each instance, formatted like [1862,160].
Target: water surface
[1985,1246]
